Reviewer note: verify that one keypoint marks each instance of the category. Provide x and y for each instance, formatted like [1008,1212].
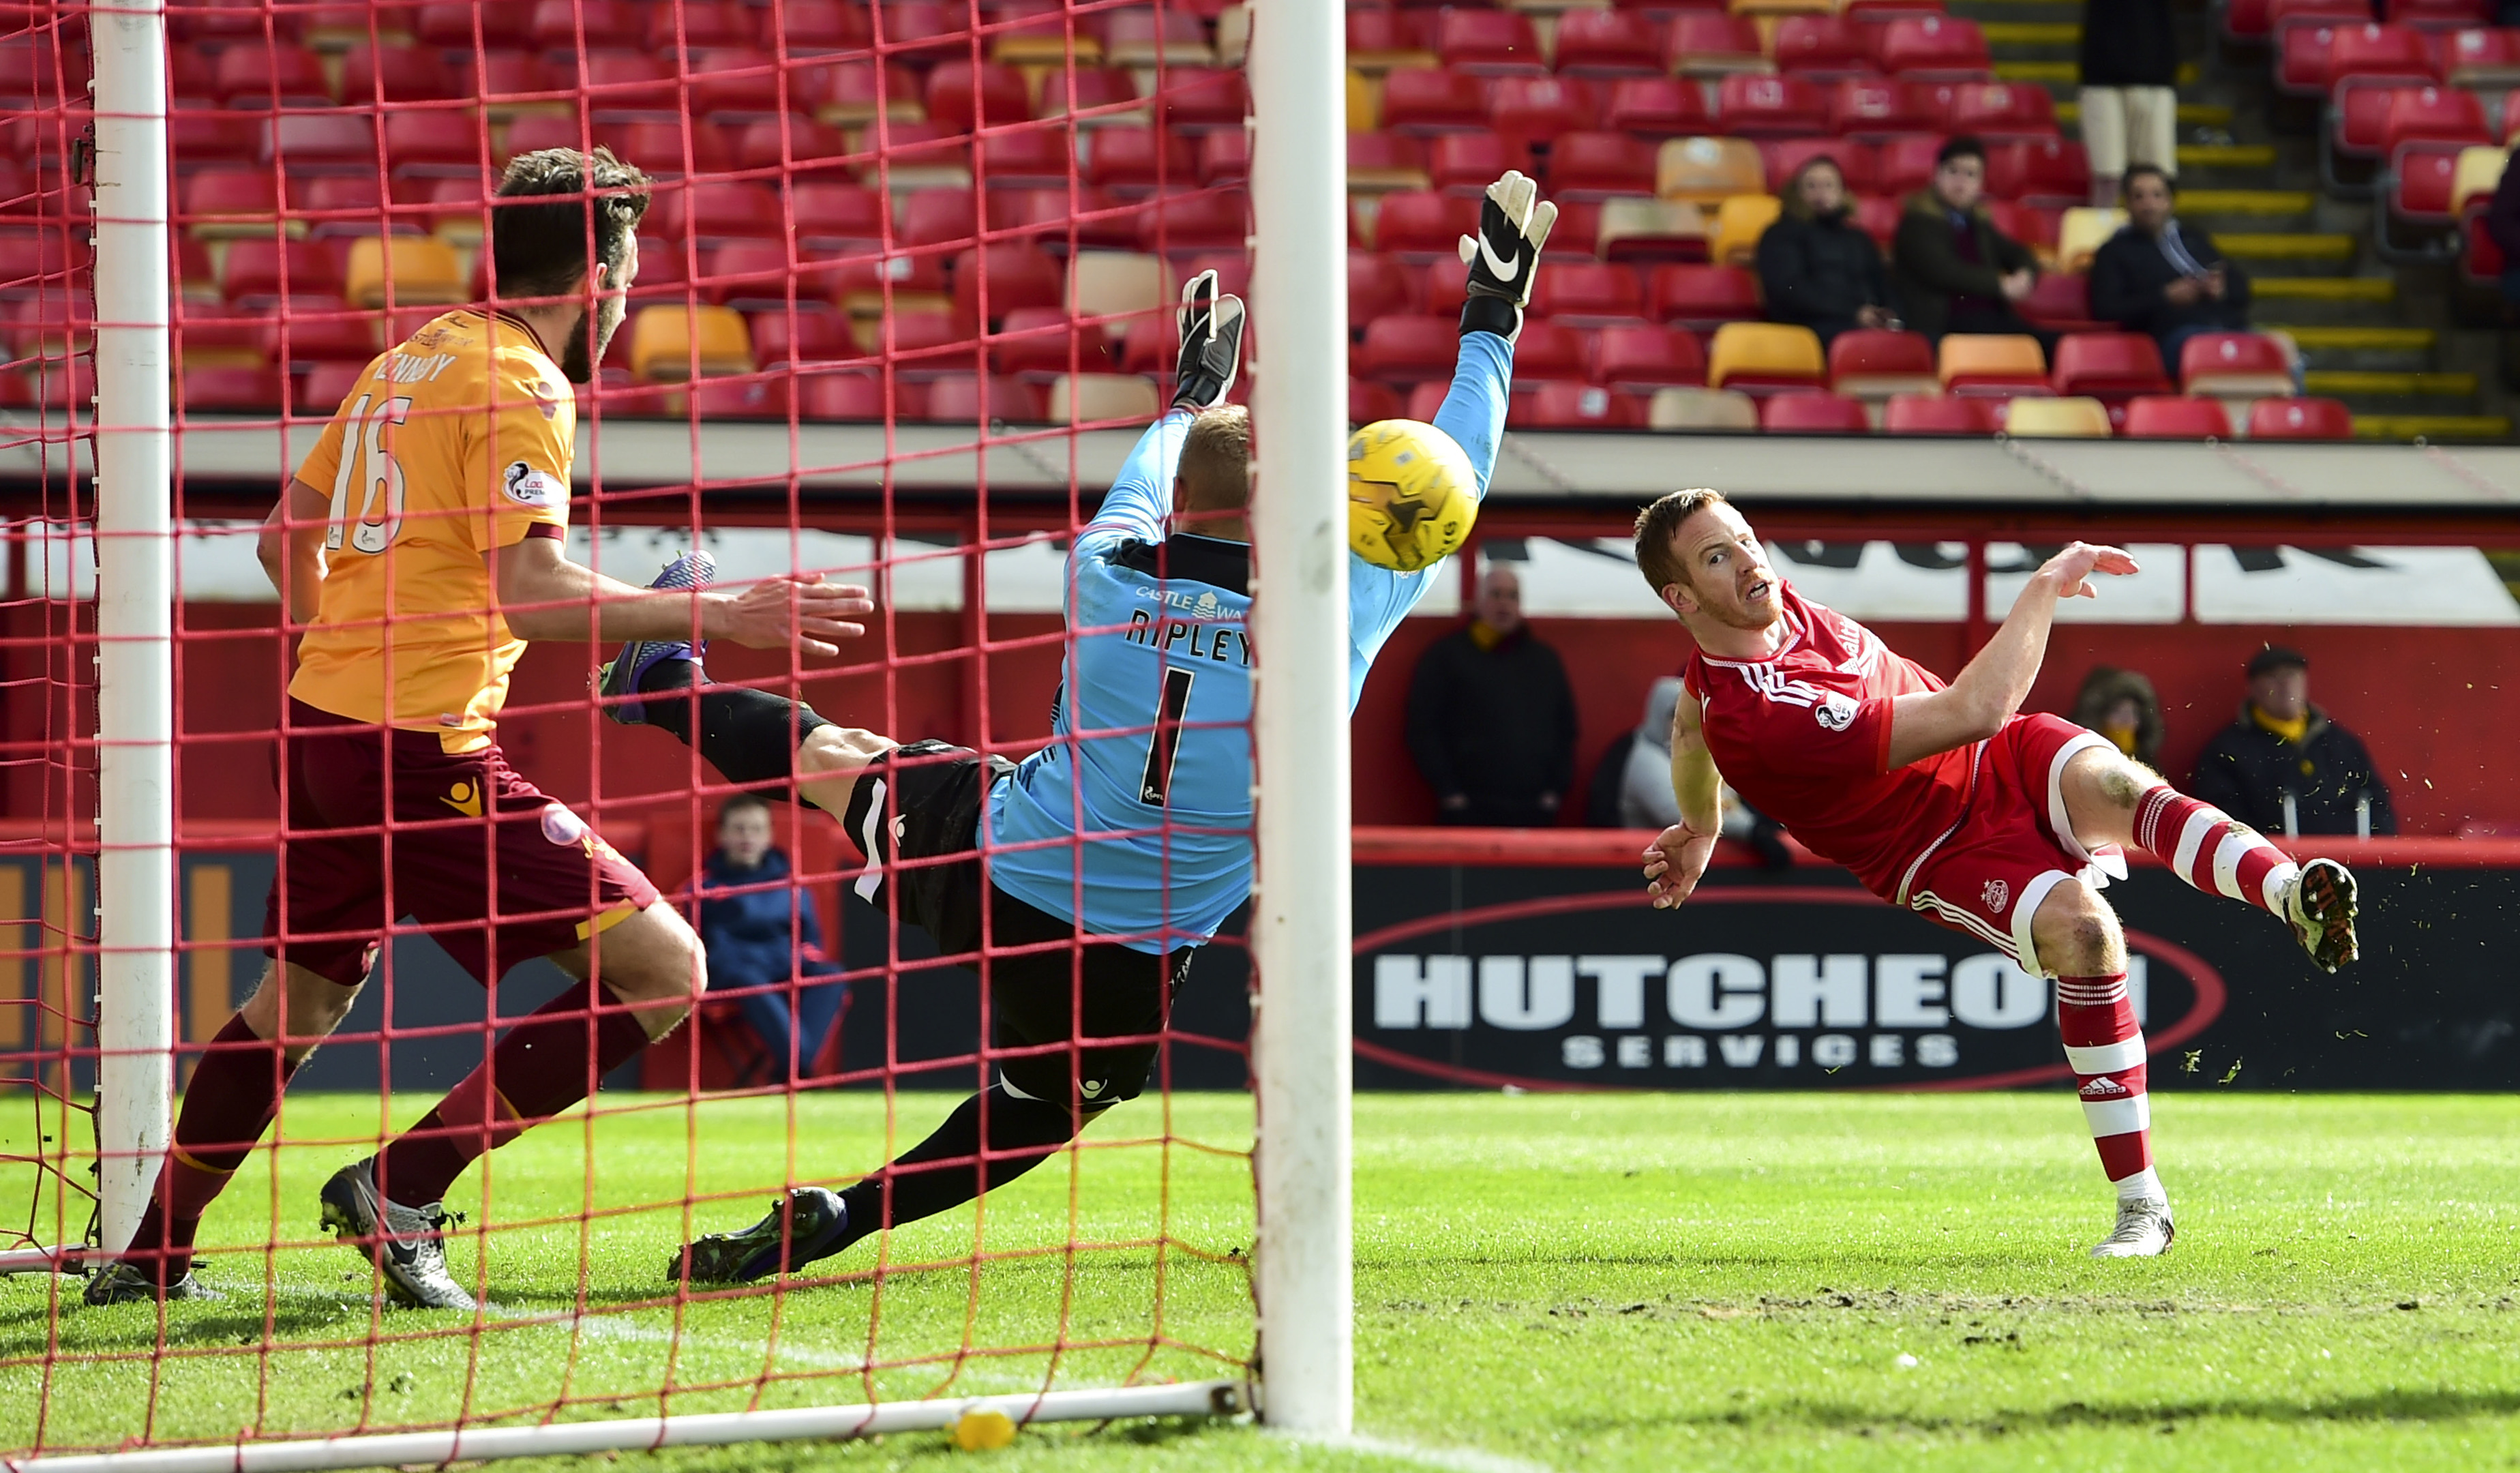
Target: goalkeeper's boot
[122,1282]
[2144,1231]
[2321,908]
[407,1244]
[1211,344]
[804,1227]
[619,681]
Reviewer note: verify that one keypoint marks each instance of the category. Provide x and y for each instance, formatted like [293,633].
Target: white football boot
[2320,908]
[2144,1231]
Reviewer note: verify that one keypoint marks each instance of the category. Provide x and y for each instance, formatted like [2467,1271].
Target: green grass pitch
[1604,1281]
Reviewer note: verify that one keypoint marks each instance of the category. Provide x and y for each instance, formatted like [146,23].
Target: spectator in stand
[1818,268]
[2160,278]
[1952,271]
[2130,70]
[2120,705]
[1645,799]
[1492,717]
[761,934]
[2284,768]
[2502,225]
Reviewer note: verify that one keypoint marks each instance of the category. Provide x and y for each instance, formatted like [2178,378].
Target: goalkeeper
[1115,852]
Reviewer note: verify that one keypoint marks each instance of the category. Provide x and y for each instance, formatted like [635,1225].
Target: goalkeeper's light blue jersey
[1150,756]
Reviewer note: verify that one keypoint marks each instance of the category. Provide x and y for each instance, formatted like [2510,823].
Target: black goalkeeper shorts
[921,803]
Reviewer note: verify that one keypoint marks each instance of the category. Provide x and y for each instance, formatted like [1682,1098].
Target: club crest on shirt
[1999,894]
[1834,712]
[546,399]
[527,487]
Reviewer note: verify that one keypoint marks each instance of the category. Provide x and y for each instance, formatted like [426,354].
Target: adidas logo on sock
[2104,1087]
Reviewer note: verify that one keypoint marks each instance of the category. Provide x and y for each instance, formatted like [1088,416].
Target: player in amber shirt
[1947,800]
[419,548]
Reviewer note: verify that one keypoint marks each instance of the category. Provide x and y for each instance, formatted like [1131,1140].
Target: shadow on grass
[2430,1404]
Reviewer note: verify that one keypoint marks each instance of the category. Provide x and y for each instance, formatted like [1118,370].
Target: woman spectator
[1818,267]
[2120,705]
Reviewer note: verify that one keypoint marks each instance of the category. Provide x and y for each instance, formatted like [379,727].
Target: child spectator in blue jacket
[763,938]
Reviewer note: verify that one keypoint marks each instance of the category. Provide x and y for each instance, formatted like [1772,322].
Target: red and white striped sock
[2106,1050]
[2210,849]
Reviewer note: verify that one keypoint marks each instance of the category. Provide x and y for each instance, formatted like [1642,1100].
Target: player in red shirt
[1945,800]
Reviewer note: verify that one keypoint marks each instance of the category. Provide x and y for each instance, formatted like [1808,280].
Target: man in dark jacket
[1492,719]
[762,936]
[2284,768]
[1816,266]
[2158,277]
[2129,72]
[1952,270]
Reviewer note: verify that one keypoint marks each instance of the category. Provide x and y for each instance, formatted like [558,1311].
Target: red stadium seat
[1015,275]
[2050,172]
[1876,108]
[855,396]
[2170,417]
[1821,48]
[1550,351]
[2422,186]
[831,215]
[1431,100]
[2233,365]
[565,25]
[2439,15]
[1578,236]
[2062,301]
[1377,39]
[1422,226]
[2108,365]
[2300,419]
[421,142]
[1590,166]
[1607,43]
[1657,108]
[939,218]
[2481,57]
[755,276]
[307,142]
[2000,111]
[1407,350]
[2301,59]
[1703,298]
[1924,414]
[1933,48]
[263,269]
[1858,163]
[1489,43]
[1537,109]
[1379,162]
[662,144]
[697,25]
[1769,106]
[1181,225]
[1875,364]
[1378,286]
[1040,344]
[1574,406]
[1467,163]
[969,399]
[1030,159]
[721,211]
[1813,414]
[1136,160]
[1224,156]
[1583,294]
[257,76]
[1710,43]
[1202,100]
[1426,400]
[1907,162]
[1645,358]
[806,337]
[962,98]
[2432,114]
[2375,53]
[394,75]
[1878,215]
[1369,402]
[229,390]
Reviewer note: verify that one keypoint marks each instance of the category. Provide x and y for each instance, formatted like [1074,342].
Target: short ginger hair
[1215,468]
[1657,525]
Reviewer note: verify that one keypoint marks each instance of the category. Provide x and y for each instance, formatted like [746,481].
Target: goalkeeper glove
[1513,224]
[1211,344]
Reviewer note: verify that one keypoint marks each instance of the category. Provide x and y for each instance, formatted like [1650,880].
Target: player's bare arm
[1678,859]
[1987,694]
[546,597]
[292,548]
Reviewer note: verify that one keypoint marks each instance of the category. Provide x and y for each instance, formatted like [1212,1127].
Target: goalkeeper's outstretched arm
[1503,258]
[1140,504]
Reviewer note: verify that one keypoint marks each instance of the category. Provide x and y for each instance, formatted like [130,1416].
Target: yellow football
[1410,494]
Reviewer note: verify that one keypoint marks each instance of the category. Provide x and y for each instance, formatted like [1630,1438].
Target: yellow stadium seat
[1701,410]
[2043,418]
[1045,43]
[663,339]
[1765,355]
[1085,397]
[416,270]
[1739,221]
[1708,170]
[1647,226]
[1364,102]
[2479,172]
[1117,284]
[1992,360]
[2083,230]
[1232,35]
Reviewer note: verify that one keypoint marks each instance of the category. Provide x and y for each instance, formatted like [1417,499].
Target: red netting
[904,297]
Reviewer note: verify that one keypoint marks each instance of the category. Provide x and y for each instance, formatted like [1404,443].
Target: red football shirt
[1805,738]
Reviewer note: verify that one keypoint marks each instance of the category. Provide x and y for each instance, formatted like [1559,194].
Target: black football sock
[749,736]
[1032,1128]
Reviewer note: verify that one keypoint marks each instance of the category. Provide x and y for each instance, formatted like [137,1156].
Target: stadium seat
[424,141]
[1876,108]
[664,341]
[1937,414]
[1187,224]
[1116,284]
[1200,100]
[1464,165]
[2062,301]
[1739,221]
[310,143]
[392,74]
[1380,40]
[1550,351]
[1094,97]
[1431,99]
[1657,108]
[1701,411]
[2300,419]
[1420,227]
[807,336]
[1821,47]
[409,269]
[1875,364]
[1131,162]
[963,98]
[2482,57]
[1382,163]
[938,218]
[1703,299]
[221,202]
[1801,413]
[1765,357]
[1480,42]
[1710,44]
[2380,52]
[1994,365]
[1426,400]
[664,142]
[2056,172]
[2233,366]
[1038,35]
[1648,230]
[1378,286]
[1933,48]
[260,271]
[1858,163]
[1531,110]
[255,78]
[317,329]
[1094,398]
[1585,294]
[2437,14]
[2001,112]
[1608,43]
[738,398]
[1574,406]
[2035,418]
[322,388]
[1644,358]
[1369,402]
[712,213]
[1708,170]
[1907,163]
[871,286]
[2108,365]
[1015,275]
[2083,231]
[1753,105]
[831,215]
[1594,167]
[1405,350]
[2170,417]
[963,399]
[229,390]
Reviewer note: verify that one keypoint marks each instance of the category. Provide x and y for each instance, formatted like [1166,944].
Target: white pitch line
[1453,1459]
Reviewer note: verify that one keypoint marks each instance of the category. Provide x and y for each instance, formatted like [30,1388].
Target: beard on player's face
[591,335]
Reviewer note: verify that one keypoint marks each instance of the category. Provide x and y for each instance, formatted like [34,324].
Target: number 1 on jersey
[367,460]
[1164,744]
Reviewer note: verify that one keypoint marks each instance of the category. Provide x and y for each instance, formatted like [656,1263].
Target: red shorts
[2013,845]
[495,870]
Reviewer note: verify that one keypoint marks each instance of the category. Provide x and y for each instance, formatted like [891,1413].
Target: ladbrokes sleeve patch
[527,487]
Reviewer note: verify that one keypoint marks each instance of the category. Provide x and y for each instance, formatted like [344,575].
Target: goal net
[904,300]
